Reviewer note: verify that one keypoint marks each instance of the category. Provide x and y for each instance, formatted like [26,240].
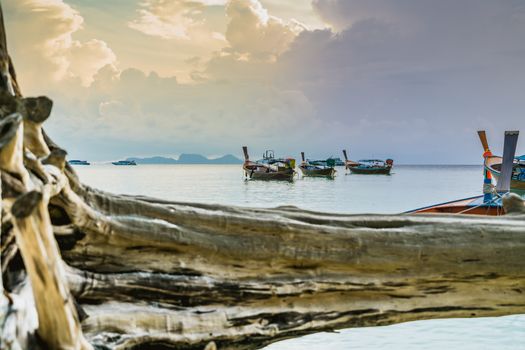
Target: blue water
[407,188]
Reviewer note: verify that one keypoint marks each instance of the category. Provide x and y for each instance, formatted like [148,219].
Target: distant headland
[187,158]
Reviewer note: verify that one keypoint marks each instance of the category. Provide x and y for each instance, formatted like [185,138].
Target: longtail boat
[490,203]
[349,163]
[372,167]
[269,168]
[309,169]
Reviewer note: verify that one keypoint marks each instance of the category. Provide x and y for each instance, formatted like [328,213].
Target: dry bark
[153,274]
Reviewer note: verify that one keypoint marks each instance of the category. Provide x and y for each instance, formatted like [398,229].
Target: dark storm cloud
[420,74]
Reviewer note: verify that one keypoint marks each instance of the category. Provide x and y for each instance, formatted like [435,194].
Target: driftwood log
[84,269]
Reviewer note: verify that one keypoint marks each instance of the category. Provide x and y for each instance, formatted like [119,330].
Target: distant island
[187,158]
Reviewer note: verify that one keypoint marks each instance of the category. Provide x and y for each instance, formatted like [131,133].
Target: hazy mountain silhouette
[187,158]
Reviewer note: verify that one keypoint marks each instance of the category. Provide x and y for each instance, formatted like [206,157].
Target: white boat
[78,162]
[124,162]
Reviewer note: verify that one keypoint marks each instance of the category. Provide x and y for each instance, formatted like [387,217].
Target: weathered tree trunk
[153,274]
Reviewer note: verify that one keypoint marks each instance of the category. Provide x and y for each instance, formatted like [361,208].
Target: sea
[408,187]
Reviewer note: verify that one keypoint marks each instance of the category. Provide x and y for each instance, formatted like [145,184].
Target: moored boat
[309,169]
[124,162]
[490,203]
[373,167]
[78,162]
[268,168]
[348,163]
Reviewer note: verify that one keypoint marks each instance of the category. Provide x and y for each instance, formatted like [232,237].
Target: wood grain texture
[83,268]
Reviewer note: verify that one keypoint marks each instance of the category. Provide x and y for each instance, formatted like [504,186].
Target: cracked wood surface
[132,272]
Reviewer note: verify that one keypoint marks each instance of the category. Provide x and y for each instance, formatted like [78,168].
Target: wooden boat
[472,205]
[309,169]
[348,163]
[269,168]
[504,169]
[372,167]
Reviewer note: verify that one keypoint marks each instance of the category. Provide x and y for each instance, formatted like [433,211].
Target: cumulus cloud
[386,76]
[49,48]
[256,34]
[168,19]
[251,33]
[184,29]
[86,59]
[230,102]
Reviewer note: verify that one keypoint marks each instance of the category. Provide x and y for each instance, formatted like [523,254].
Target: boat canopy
[330,162]
[521,158]
[371,161]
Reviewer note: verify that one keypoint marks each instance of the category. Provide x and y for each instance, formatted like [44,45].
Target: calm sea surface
[409,187]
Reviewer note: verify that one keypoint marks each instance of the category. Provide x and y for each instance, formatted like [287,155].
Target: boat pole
[487,176]
[246,159]
[507,165]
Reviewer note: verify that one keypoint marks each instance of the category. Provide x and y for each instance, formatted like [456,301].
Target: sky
[411,80]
